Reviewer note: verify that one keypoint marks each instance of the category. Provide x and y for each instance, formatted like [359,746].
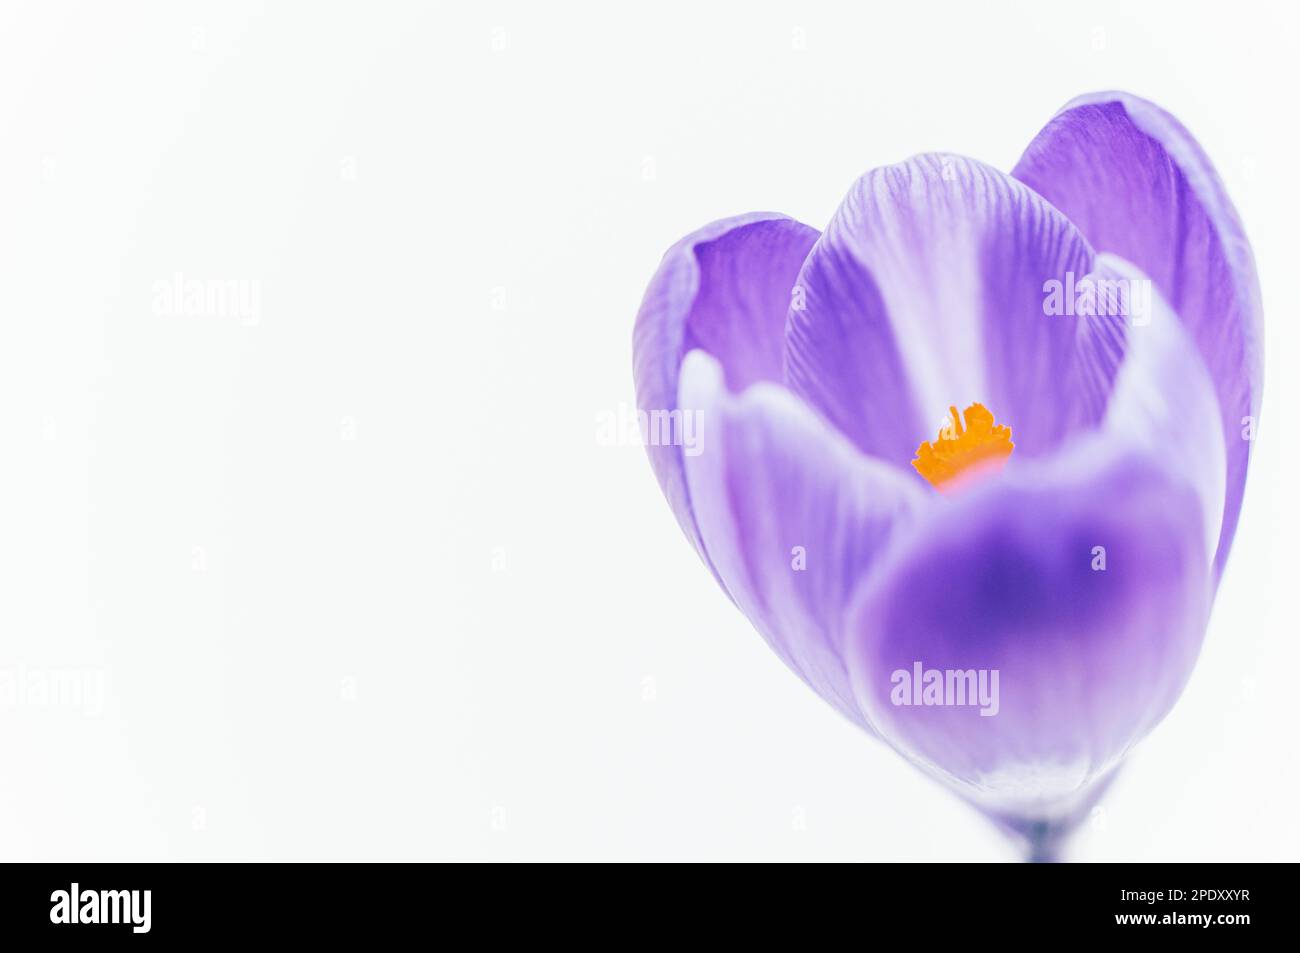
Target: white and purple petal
[1087,660]
[1082,579]
[928,290]
[1137,184]
[724,289]
[792,516]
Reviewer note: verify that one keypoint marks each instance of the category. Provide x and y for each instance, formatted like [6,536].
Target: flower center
[982,445]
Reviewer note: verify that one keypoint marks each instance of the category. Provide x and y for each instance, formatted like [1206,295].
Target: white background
[356,579]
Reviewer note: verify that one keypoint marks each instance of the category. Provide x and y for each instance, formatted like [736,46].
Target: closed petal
[792,515]
[724,289]
[1137,184]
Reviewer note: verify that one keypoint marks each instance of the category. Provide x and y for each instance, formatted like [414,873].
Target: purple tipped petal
[928,289]
[1088,660]
[1162,404]
[1082,579]
[1137,184]
[724,289]
[792,517]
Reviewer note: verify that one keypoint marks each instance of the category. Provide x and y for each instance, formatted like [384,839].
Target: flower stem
[1045,841]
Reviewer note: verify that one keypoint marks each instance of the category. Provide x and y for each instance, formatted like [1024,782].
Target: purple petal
[792,517]
[1137,184]
[928,290]
[725,289]
[1088,660]
[1162,404]
[1006,577]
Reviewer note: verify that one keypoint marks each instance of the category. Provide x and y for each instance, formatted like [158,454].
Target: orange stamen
[982,444]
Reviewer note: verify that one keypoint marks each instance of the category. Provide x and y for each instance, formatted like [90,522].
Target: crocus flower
[927,445]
